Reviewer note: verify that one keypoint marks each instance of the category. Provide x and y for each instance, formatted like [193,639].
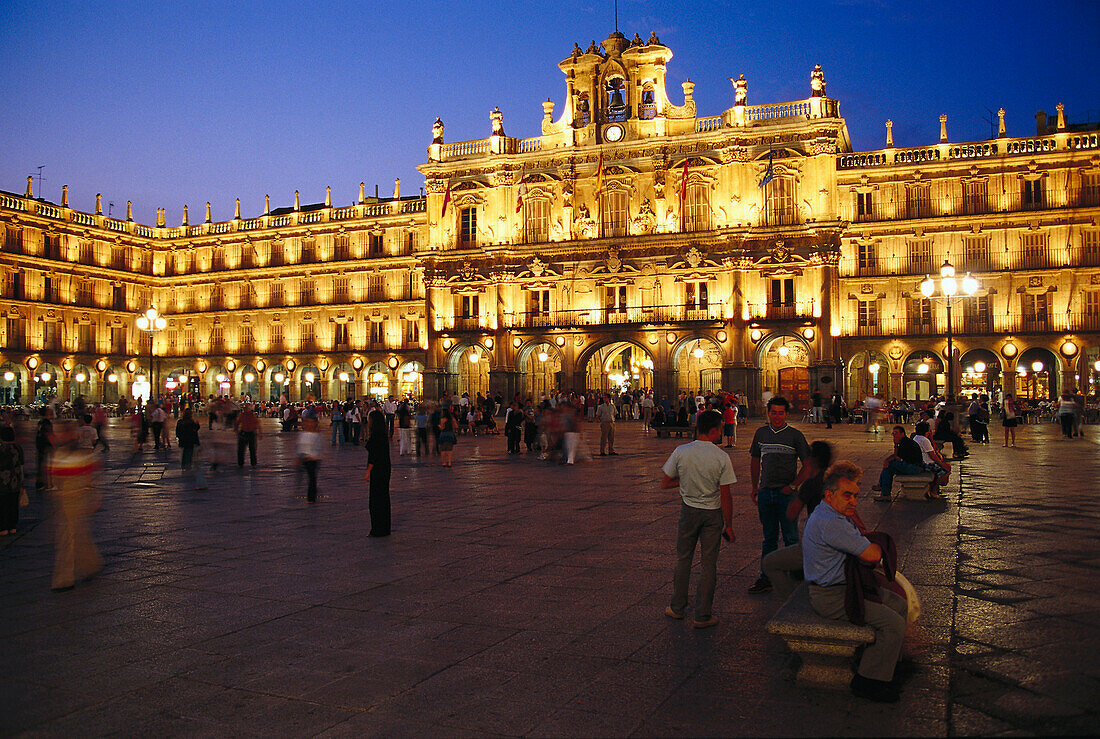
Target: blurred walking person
[74,500]
[309,454]
[11,480]
[378,473]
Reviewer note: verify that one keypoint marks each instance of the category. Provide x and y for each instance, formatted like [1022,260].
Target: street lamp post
[949,287]
[151,321]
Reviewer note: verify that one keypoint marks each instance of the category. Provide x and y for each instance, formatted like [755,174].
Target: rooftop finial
[267,205]
[99,204]
[889,134]
[185,219]
[208,219]
[1001,123]
[297,202]
[328,196]
[943,128]
[237,210]
[64,196]
[30,186]
[129,211]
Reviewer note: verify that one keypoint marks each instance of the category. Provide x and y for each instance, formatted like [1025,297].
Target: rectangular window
[780,199]
[51,336]
[978,315]
[246,339]
[868,258]
[615,298]
[51,246]
[1035,253]
[87,252]
[86,337]
[975,197]
[470,307]
[540,302]
[467,230]
[340,290]
[376,288]
[378,332]
[13,240]
[1090,246]
[341,338]
[377,244]
[697,209]
[217,338]
[1092,303]
[49,292]
[412,332]
[1036,311]
[118,297]
[918,201]
[17,291]
[868,314]
[976,253]
[920,256]
[695,295]
[864,206]
[118,340]
[614,213]
[309,336]
[536,221]
[277,343]
[276,296]
[277,255]
[1090,189]
[782,291]
[920,315]
[341,248]
[17,333]
[307,294]
[217,258]
[309,251]
[1033,194]
[85,295]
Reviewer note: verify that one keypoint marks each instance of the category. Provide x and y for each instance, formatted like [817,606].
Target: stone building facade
[633,243]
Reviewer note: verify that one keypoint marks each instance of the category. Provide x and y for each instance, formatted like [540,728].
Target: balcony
[765,312]
[992,260]
[712,313]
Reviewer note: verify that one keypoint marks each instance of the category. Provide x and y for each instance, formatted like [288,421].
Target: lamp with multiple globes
[151,321]
[949,288]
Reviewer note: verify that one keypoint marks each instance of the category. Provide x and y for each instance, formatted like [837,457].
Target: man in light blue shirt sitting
[830,536]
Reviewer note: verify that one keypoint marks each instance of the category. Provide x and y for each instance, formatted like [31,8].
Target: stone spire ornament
[1001,123]
[208,219]
[64,196]
[185,219]
[267,205]
[297,202]
[943,129]
[328,196]
[362,192]
[99,204]
[30,187]
[889,134]
[129,211]
[237,210]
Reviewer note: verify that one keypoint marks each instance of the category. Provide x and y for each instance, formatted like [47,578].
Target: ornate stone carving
[614,264]
[646,221]
[537,266]
[586,226]
[780,253]
[437,131]
[694,257]
[466,271]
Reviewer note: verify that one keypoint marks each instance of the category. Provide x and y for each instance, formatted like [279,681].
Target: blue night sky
[174,103]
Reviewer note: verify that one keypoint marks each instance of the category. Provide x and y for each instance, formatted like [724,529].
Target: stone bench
[666,432]
[827,646]
[914,487]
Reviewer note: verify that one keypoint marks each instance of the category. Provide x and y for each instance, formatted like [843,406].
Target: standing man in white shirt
[390,409]
[605,414]
[704,475]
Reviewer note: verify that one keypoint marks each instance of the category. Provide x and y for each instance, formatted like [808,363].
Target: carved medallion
[466,271]
[614,264]
[537,266]
[780,253]
[896,352]
[693,257]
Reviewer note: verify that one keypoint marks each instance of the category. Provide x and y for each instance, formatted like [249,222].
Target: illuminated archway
[980,372]
[922,375]
[784,362]
[698,365]
[540,369]
[619,366]
[82,382]
[868,374]
[310,383]
[1037,374]
[11,384]
[410,380]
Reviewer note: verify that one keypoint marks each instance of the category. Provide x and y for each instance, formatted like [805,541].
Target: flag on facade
[520,192]
[684,182]
[769,173]
[599,176]
[446,200]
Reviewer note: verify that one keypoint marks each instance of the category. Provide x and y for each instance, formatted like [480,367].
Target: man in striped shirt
[775,454]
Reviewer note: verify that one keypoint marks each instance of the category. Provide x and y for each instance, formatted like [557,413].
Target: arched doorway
[540,370]
[981,372]
[113,383]
[11,384]
[278,382]
[698,365]
[923,376]
[410,380]
[310,386]
[868,374]
[619,367]
[378,381]
[471,364]
[342,384]
[249,385]
[1037,374]
[784,361]
[82,383]
[1091,358]
[46,377]
[222,380]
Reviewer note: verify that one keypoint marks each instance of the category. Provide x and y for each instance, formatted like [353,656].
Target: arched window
[648,108]
[697,208]
[615,213]
[536,220]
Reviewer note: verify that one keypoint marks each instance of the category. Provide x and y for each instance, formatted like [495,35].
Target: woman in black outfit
[378,472]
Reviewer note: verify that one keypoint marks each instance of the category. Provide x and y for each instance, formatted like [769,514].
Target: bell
[617,99]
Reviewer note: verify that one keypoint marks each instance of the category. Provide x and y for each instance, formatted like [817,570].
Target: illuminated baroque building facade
[632,243]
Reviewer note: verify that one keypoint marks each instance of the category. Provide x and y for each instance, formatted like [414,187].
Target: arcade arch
[11,383]
[540,369]
[922,375]
[698,365]
[868,374]
[82,382]
[1037,374]
[311,380]
[784,362]
[980,372]
[619,366]
[470,366]
[410,380]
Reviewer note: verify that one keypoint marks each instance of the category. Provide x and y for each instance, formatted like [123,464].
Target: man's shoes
[671,613]
[706,623]
[875,690]
[612,454]
[762,585]
[603,454]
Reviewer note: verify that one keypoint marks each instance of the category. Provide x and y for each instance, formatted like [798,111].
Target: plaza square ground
[519,597]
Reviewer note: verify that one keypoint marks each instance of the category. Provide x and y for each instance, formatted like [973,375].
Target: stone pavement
[517,597]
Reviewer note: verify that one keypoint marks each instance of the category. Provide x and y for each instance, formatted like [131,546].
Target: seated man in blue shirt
[829,537]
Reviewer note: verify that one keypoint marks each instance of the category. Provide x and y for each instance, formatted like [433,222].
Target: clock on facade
[613,133]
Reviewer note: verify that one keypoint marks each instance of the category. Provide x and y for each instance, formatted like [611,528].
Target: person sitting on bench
[830,536]
[906,460]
